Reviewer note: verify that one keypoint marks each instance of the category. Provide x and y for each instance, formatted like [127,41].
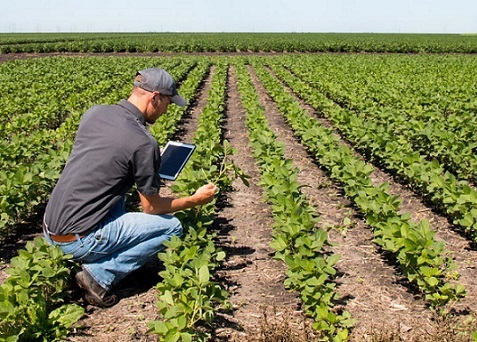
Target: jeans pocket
[78,248]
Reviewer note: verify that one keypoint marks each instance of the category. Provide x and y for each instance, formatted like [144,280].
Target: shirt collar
[133,110]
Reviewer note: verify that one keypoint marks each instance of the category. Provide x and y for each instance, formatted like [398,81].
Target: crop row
[297,241]
[234,42]
[32,299]
[188,297]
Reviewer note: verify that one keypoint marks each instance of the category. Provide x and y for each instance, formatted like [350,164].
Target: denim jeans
[121,243]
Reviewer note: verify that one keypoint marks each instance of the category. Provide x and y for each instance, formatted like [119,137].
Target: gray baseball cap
[156,79]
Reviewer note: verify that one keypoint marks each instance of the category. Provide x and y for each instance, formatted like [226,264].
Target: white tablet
[173,158]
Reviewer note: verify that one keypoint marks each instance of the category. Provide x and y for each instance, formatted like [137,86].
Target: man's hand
[205,193]
[155,204]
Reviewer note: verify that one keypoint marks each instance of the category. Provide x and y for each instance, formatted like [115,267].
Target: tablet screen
[173,158]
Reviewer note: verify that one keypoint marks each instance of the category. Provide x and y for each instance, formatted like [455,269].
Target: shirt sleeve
[146,161]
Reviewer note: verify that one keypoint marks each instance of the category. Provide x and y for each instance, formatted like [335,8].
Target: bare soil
[370,285]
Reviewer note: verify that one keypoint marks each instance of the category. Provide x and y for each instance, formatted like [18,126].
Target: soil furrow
[254,277]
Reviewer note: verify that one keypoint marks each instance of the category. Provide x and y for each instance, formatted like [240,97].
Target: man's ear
[155,95]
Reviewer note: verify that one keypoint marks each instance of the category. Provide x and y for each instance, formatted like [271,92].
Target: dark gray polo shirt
[112,151]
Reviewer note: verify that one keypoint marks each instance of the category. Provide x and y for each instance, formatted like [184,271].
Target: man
[86,214]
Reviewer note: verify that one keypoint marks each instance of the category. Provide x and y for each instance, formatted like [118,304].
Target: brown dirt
[370,285]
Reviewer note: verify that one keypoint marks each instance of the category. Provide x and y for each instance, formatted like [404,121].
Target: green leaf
[279,243]
[204,275]
[186,337]
[432,281]
[333,259]
[67,315]
[220,256]
[167,297]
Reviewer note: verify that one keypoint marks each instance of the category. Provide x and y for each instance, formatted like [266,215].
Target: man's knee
[176,226]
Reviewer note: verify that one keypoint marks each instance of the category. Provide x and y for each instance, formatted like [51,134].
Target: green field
[237,42]
[408,112]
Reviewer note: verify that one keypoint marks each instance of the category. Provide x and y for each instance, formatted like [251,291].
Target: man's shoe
[95,293]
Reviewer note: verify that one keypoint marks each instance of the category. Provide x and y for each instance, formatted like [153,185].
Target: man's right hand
[205,193]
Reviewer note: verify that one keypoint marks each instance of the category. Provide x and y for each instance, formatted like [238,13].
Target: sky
[401,16]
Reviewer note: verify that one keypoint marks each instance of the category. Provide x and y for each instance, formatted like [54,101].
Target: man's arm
[155,204]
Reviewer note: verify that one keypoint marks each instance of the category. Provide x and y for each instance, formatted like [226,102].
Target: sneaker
[95,294]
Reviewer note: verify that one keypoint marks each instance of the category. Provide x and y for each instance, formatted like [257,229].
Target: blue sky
[405,16]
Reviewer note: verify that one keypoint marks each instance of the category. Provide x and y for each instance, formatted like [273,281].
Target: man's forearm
[165,205]
[155,204]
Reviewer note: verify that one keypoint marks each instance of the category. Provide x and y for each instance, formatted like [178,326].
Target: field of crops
[236,42]
[360,217]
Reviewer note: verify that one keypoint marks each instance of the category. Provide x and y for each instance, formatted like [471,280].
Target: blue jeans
[122,243]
